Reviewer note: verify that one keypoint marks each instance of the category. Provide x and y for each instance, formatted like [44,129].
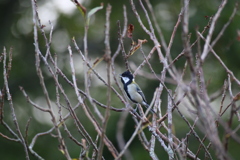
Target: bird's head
[126,77]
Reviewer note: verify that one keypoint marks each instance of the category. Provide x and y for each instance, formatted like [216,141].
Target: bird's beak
[120,75]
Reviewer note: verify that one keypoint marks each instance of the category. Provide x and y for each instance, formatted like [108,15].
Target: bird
[132,90]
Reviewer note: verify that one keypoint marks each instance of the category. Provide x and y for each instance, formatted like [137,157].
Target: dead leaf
[237,97]
[136,47]
[130,30]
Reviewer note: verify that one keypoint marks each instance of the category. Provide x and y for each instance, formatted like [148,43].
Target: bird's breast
[134,95]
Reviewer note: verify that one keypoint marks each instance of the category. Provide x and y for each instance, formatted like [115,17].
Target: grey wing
[141,93]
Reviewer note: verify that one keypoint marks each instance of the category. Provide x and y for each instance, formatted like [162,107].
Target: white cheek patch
[125,79]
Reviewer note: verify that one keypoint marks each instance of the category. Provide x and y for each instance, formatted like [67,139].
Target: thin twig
[211,29]
[108,60]
[221,62]
[10,102]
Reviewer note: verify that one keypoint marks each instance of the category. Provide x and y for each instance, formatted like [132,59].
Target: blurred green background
[16,30]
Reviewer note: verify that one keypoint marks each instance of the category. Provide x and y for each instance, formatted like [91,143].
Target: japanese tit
[132,89]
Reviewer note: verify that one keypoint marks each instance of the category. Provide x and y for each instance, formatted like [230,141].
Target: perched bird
[132,89]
